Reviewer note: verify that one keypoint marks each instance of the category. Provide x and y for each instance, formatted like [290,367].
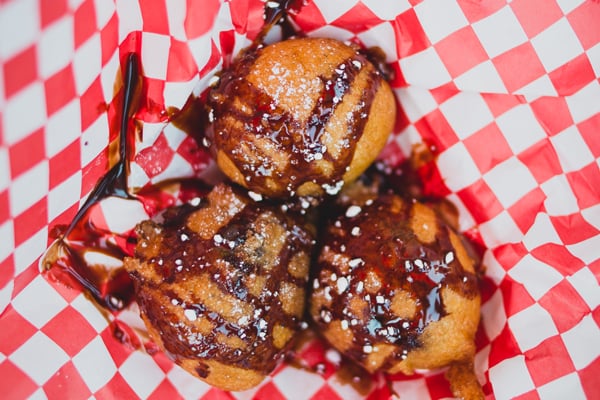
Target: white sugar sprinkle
[355,231]
[449,257]
[342,285]
[190,314]
[355,262]
[353,211]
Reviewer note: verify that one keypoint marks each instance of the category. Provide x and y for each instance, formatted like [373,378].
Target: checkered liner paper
[508,93]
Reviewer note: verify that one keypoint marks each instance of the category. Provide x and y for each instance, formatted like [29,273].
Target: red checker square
[381,392]
[573,228]
[436,131]
[92,172]
[118,350]
[156,158]
[359,18]
[589,379]
[510,66]
[4,213]
[309,18]
[26,153]
[589,132]
[85,22]
[70,330]
[499,103]
[66,383]
[212,62]
[154,16]
[536,15]
[199,17]
[584,21]
[165,390]
[163,362]
[559,258]
[15,384]
[24,278]
[314,357]
[414,2]
[525,210]
[475,11]
[585,185]
[59,89]
[20,71]
[152,101]
[548,361]
[438,386]
[461,51]
[481,201]
[51,10]
[14,331]
[565,305]
[553,113]
[7,269]
[488,147]
[481,338]
[30,221]
[181,65]
[92,104]
[116,388]
[504,346]
[433,182]
[406,25]
[508,255]
[541,160]
[444,92]
[64,283]
[573,75]
[268,391]
[326,393]
[516,297]
[64,164]
[109,38]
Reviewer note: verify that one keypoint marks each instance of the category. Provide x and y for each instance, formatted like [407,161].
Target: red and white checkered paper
[507,92]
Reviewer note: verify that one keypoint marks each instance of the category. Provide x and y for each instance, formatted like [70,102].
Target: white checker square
[372,37]
[292,381]
[141,373]
[130,18]
[92,314]
[155,47]
[87,63]
[39,357]
[540,233]
[565,387]
[74,4]
[482,78]
[4,168]
[387,9]
[38,302]
[584,103]
[557,45]
[115,208]
[542,86]
[532,326]
[137,176]
[95,364]
[466,113]
[457,167]
[493,315]
[28,252]
[28,188]
[333,32]
[586,250]
[573,153]
[333,10]
[94,140]
[425,69]
[416,102]
[520,128]
[188,386]
[493,269]
[537,277]
[24,113]
[107,76]
[19,27]
[510,181]
[500,230]
[510,378]
[176,93]
[440,18]
[499,32]
[63,128]
[176,13]
[465,219]
[592,215]
[7,244]
[105,9]
[587,286]
[568,5]
[64,195]
[593,54]
[56,46]
[578,342]
[560,199]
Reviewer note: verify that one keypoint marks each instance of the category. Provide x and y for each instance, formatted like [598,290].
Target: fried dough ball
[396,288]
[299,117]
[221,285]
